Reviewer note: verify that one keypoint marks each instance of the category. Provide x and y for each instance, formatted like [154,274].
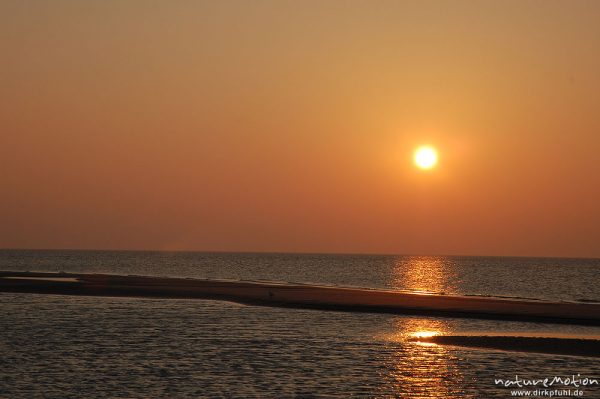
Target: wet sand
[302,296]
[68,279]
[549,345]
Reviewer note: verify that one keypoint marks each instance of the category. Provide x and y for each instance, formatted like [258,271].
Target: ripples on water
[114,347]
[59,346]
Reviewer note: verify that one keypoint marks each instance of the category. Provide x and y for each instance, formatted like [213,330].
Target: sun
[426,157]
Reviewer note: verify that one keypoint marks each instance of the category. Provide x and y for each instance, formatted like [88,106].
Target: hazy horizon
[278,126]
[208,251]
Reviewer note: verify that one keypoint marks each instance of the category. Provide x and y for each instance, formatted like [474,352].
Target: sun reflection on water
[425,334]
[422,369]
[424,274]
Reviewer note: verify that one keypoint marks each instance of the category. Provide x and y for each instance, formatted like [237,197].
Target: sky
[290,126]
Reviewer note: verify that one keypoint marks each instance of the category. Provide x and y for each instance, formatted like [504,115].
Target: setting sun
[426,157]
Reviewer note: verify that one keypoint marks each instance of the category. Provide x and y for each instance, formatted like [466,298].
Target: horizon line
[332,253]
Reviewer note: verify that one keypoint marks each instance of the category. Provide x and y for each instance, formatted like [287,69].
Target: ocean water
[60,346]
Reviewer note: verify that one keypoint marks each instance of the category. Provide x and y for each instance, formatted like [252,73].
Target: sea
[55,346]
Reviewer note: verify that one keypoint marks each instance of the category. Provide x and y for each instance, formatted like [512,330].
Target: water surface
[60,346]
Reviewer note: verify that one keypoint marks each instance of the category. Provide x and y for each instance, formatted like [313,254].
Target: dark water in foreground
[59,346]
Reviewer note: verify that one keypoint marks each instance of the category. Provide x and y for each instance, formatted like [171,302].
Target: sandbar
[549,345]
[302,296]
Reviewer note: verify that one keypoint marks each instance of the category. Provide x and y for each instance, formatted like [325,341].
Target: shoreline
[547,345]
[302,296]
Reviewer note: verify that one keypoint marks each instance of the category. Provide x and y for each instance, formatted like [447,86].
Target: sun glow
[425,334]
[425,157]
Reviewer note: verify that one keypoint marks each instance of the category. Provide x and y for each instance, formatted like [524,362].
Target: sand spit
[302,296]
[558,346]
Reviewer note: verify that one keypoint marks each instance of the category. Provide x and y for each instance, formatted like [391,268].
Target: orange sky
[290,126]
